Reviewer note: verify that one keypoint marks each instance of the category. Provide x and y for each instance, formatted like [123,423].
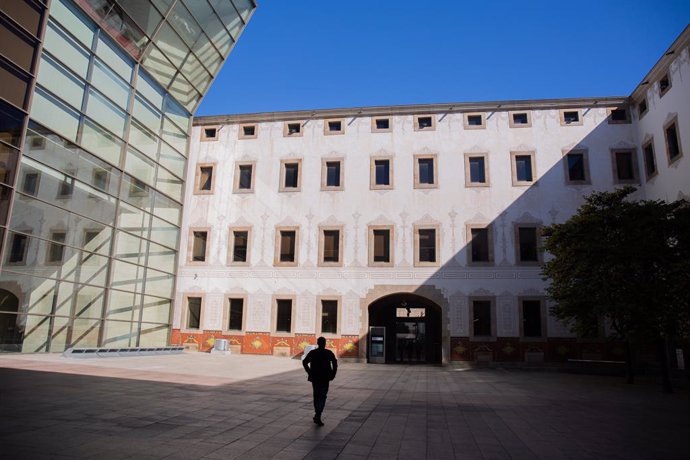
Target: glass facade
[93,178]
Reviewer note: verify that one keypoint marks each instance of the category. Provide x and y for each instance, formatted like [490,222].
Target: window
[624,166]
[381,173]
[56,247]
[244,177]
[520,119]
[619,115]
[329,316]
[380,239]
[424,122]
[239,246]
[331,174]
[330,245]
[571,118]
[235,314]
[331,127]
[290,176]
[286,247]
[426,246]
[642,108]
[481,245]
[482,317]
[209,133]
[476,170]
[199,246]
[284,315]
[100,179]
[30,183]
[527,244]
[673,148]
[193,319]
[292,129]
[664,84]
[532,318]
[649,159]
[248,131]
[204,179]
[576,167]
[522,168]
[425,171]
[380,125]
[20,244]
[474,121]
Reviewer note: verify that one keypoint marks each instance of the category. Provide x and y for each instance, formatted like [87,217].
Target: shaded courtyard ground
[253,407]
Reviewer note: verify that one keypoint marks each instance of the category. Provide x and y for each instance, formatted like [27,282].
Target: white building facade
[411,233]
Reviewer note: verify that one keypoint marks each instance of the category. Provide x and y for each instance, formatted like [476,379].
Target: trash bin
[220,345]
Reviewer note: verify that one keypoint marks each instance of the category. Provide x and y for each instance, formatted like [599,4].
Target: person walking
[321,366]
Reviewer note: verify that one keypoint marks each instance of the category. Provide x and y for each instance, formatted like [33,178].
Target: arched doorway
[405,328]
[10,332]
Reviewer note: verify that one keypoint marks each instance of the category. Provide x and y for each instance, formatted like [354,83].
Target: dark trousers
[320,394]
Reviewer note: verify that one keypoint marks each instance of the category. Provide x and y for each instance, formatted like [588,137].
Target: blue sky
[312,54]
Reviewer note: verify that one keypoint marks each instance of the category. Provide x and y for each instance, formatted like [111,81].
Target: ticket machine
[377,344]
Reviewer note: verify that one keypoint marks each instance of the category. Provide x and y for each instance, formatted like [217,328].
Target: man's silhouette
[321,366]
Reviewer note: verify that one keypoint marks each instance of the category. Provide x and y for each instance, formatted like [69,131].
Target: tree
[625,261]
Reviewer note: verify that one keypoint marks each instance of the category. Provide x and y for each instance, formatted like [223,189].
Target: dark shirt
[323,365]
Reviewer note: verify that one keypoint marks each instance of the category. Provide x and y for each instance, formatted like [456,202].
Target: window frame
[667,76]
[437,245]
[374,129]
[277,248]
[391,245]
[226,313]
[53,244]
[468,171]
[242,135]
[490,238]
[184,320]
[641,113]
[466,122]
[322,245]
[492,311]
[326,126]
[673,121]
[236,179]
[538,249]
[572,123]
[319,312]
[585,161]
[427,128]
[633,159]
[231,246]
[281,184]
[425,156]
[31,172]
[324,174]
[205,137]
[513,167]
[27,235]
[611,121]
[649,143]
[511,119]
[274,315]
[190,246]
[197,178]
[372,173]
[286,129]
[543,312]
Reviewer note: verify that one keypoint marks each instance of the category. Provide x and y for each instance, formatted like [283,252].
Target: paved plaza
[253,407]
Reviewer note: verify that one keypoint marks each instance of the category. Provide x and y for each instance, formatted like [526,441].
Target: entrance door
[410,334]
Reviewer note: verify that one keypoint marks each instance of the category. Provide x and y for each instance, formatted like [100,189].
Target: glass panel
[36,330]
[174,136]
[50,112]
[119,25]
[244,7]
[8,165]
[12,329]
[26,13]
[161,258]
[122,306]
[477,174]
[80,300]
[207,53]
[169,184]
[177,114]
[195,73]
[97,240]
[153,334]
[143,139]
[61,81]
[106,113]
[38,292]
[126,277]
[523,168]
[159,284]
[160,67]
[156,311]
[133,220]
[172,160]
[136,192]
[73,21]
[101,142]
[121,64]
[171,45]
[427,245]
[143,14]
[149,89]
[11,123]
[120,334]
[228,15]
[140,167]
[184,92]
[164,232]
[167,209]
[85,333]
[130,248]
[58,43]
[145,113]
[184,24]
[109,83]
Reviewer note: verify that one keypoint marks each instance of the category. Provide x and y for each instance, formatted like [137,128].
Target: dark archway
[413,328]
[10,332]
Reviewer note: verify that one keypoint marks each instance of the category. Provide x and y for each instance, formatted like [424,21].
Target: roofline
[416,109]
[662,64]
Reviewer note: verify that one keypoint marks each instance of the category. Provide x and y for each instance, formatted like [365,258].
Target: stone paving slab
[253,407]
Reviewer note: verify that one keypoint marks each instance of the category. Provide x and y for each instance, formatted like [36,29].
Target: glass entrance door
[410,334]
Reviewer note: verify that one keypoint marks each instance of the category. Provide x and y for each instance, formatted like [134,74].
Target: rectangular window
[481,318]
[244,177]
[100,179]
[18,249]
[664,85]
[642,108]
[209,134]
[649,159]
[331,127]
[56,248]
[286,247]
[571,118]
[619,115]
[240,245]
[424,123]
[475,170]
[204,178]
[380,125]
[381,173]
[291,177]
[193,312]
[480,245]
[527,244]
[331,246]
[576,167]
[284,315]
[292,129]
[30,183]
[520,119]
[426,246]
[248,131]
[235,314]
[425,172]
[625,169]
[531,318]
[474,121]
[380,246]
[331,174]
[65,187]
[522,168]
[329,316]
[673,149]
[199,246]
